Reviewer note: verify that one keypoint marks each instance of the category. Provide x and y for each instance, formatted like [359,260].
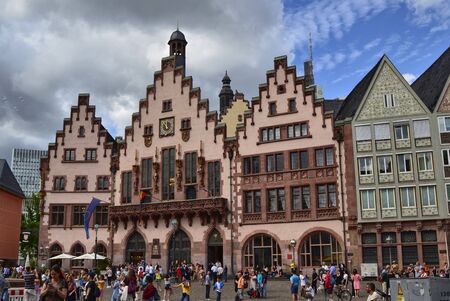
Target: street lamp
[389,240]
[95,248]
[174,223]
[293,243]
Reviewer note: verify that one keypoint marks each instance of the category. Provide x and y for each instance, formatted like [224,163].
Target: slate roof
[7,180]
[430,84]
[354,99]
[332,105]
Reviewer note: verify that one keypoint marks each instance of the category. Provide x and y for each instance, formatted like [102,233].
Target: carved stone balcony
[326,213]
[209,210]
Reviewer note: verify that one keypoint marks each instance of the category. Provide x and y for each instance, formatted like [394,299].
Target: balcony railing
[209,209]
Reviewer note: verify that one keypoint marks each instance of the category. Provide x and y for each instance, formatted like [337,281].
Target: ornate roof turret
[226,95]
[177,45]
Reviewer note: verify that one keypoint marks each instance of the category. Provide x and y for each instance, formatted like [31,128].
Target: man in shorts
[295,281]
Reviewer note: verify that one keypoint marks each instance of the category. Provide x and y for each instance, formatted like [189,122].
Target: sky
[52,50]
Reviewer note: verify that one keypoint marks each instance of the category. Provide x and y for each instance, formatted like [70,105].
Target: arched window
[135,251]
[101,249]
[77,250]
[55,249]
[262,251]
[320,247]
[179,248]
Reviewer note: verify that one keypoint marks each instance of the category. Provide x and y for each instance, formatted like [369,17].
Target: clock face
[166,126]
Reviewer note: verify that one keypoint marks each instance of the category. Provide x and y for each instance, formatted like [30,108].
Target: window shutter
[421,129]
[382,131]
[363,133]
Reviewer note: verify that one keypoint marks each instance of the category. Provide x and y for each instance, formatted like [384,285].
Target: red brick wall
[10,219]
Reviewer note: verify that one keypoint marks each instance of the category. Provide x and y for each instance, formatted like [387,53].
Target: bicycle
[342,293]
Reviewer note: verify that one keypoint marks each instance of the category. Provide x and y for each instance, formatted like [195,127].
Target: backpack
[148,292]
[96,292]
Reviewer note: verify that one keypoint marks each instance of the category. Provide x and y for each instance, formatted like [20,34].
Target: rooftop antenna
[310,47]
[177,26]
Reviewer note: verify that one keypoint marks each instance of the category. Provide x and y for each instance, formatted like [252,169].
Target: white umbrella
[62,256]
[89,256]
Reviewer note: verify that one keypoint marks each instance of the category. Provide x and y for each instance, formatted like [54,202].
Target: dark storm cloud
[51,50]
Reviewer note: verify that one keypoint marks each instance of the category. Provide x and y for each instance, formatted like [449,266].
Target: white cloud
[52,51]
[425,12]
[409,77]
[372,44]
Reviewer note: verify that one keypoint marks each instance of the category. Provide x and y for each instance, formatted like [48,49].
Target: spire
[308,66]
[226,94]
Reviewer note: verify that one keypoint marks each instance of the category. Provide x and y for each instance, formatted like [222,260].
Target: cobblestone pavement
[277,290]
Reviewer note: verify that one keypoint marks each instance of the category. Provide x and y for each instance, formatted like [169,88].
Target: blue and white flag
[87,216]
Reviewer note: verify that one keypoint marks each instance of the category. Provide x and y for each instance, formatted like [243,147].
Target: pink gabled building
[76,169]
[259,184]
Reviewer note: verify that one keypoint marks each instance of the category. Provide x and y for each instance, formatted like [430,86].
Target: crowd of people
[337,279]
[149,282]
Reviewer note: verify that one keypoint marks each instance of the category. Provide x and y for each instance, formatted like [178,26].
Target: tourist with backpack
[149,291]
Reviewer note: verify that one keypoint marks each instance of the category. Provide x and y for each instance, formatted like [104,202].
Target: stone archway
[262,250]
[318,247]
[179,248]
[135,250]
[215,248]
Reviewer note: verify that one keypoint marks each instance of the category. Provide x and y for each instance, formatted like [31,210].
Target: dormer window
[148,130]
[389,101]
[167,105]
[185,123]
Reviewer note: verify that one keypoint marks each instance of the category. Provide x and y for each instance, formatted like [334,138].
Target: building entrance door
[215,248]
[135,251]
[179,248]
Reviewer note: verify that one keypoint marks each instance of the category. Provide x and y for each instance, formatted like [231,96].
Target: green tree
[30,223]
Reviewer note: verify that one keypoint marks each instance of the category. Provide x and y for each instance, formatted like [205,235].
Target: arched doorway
[179,248]
[320,247]
[135,251]
[215,247]
[261,251]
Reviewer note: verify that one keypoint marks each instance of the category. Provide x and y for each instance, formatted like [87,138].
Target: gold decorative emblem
[148,141]
[186,135]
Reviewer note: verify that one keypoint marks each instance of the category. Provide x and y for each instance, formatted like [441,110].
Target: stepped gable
[185,84]
[68,127]
[430,84]
[281,88]
[83,100]
[8,182]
